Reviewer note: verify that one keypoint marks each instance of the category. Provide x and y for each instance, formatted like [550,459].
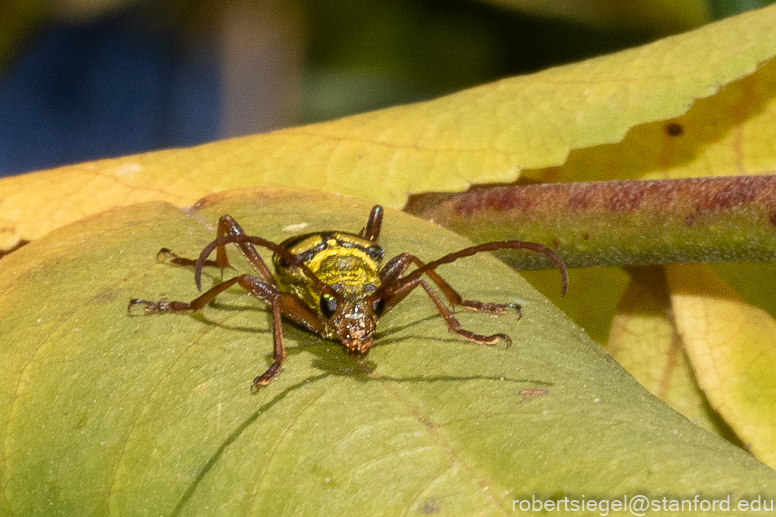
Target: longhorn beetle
[331,283]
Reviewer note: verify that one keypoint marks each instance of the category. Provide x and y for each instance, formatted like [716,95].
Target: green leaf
[105,412]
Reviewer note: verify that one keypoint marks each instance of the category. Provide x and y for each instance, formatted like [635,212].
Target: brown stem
[606,223]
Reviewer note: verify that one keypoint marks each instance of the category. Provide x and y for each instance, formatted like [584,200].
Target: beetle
[332,283]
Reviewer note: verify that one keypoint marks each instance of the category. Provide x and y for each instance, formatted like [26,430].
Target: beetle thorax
[350,265]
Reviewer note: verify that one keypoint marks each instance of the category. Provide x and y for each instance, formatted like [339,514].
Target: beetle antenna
[490,246]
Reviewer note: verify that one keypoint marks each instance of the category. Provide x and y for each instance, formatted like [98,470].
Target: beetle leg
[278,351]
[450,320]
[288,305]
[282,304]
[395,284]
[226,226]
[246,281]
[393,270]
[166,254]
[373,224]
[454,326]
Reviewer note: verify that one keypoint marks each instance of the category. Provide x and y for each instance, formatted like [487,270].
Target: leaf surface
[106,412]
[731,345]
[644,340]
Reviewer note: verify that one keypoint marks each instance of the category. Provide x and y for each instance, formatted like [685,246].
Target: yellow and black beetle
[331,283]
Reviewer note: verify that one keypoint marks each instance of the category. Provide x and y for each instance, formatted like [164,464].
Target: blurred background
[88,79]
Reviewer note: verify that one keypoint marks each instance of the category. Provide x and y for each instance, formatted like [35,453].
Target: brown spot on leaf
[532,392]
[674,129]
[430,507]
[106,296]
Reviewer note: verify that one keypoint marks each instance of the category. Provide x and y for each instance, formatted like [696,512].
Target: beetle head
[352,319]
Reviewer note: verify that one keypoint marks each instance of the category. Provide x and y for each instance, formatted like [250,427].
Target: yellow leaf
[727,134]
[731,347]
[645,342]
[482,135]
[594,291]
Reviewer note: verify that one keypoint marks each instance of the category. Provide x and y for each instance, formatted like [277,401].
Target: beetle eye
[328,305]
[378,306]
